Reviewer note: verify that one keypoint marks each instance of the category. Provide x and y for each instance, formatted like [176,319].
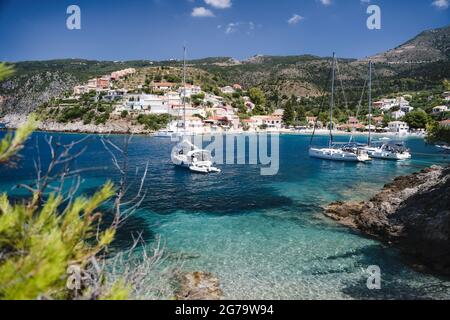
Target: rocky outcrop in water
[198,286]
[412,213]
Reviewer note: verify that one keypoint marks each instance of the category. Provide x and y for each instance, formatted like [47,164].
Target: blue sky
[157,29]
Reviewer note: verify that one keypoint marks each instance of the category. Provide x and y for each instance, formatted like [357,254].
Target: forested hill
[420,63]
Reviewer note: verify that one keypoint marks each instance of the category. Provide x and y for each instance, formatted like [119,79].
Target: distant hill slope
[421,63]
[428,46]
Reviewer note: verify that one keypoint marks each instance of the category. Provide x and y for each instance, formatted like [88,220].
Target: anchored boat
[383,150]
[388,151]
[335,151]
[186,154]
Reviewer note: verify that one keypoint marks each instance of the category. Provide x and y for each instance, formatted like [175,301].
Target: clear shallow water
[264,237]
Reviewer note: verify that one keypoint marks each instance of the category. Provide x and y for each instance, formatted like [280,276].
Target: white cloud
[295,19]
[202,12]
[325,2]
[441,4]
[247,27]
[232,27]
[365,1]
[219,4]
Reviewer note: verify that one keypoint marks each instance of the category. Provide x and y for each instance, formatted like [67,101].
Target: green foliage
[154,122]
[417,119]
[88,117]
[5,71]
[257,96]
[289,114]
[102,118]
[40,243]
[446,85]
[124,114]
[438,133]
[71,113]
[10,145]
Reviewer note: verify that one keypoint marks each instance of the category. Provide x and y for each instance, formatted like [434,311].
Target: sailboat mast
[184,88]
[370,103]
[332,98]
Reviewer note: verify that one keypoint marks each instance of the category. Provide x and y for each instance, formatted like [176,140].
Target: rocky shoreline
[411,213]
[112,127]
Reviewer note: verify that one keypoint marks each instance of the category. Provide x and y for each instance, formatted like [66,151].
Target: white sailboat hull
[379,153]
[337,155]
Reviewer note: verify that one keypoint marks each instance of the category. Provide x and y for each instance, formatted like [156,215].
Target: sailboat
[186,154]
[335,151]
[382,149]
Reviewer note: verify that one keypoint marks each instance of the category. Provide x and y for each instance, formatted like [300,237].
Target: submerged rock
[412,213]
[198,286]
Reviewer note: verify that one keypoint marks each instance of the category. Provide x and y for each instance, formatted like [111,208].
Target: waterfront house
[311,121]
[278,113]
[398,127]
[270,121]
[273,122]
[439,109]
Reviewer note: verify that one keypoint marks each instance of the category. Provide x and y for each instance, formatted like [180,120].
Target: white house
[227,90]
[398,114]
[172,98]
[446,96]
[439,109]
[406,108]
[190,90]
[150,102]
[213,99]
[398,127]
[178,111]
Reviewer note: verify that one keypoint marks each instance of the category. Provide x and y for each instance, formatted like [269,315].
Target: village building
[399,127]
[398,114]
[227,90]
[162,86]
[190,90]
[439,109]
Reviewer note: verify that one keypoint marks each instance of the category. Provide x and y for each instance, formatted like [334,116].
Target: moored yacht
[383,149]
[186,154]
[335,151]
[340,153]
[388,151]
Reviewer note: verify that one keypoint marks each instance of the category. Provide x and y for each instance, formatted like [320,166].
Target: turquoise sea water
[264,236]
